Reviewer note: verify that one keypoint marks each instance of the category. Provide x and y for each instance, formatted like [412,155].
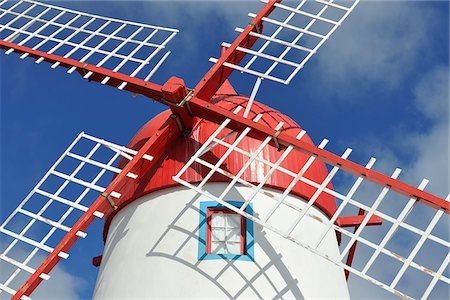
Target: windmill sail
[310,22]
[55,204]
[363,198]
[106,50]
[278,41]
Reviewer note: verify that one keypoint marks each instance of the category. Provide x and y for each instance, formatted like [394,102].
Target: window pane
[233,221]
[218,234]
[233,235]
[234,248]
[225,233]
[218,220]
[218,248]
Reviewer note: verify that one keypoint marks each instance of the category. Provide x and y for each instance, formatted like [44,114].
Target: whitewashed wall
[152,252]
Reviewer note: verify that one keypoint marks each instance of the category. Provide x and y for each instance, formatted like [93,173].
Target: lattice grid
[55,204]
[411,244]
[131,48]
[291,35]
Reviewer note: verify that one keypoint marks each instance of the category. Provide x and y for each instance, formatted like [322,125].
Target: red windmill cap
[178,154]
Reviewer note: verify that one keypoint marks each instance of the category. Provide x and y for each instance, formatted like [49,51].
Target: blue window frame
[248,253]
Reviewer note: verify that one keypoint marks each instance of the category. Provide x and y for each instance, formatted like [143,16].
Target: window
[224,234]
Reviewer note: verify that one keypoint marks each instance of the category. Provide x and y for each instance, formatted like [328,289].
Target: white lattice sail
[59,199]
[411,244]
[125,47]
[289,37]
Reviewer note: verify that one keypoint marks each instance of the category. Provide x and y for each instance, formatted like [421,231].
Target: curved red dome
[181,151]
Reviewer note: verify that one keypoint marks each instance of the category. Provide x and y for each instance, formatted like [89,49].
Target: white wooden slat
[71,157]
[269,57]
[148,38]
[288,26]
[249,161]
[26,240]
[100,165]
[68,212]
[435,279]
[79,181]
[110,54]
[277,41]
[304,43]
[273,36]
[344,203]
[252,97]
[7,289]
[296,178]
[91,50]
[348,201]
[249,71]
[153,71]
[62,200]
[417,247]
[228,152]
[13,35]
[68,38]
[329,3]
[17,264]
[324,39]
[17,17]
[44,26]
[318,192]
[116,147]
[395,226]
[50,222]
[123,62]
[11,8]
[22,266]
[370,213]
[304,13]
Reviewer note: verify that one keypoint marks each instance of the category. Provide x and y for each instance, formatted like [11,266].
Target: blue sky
[379,86]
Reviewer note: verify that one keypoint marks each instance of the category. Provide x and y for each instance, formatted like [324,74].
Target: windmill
[241,124]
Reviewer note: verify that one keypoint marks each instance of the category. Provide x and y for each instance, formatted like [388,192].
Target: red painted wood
[97,260]
[224,210]
[135,85]
[352,221]
[351,253]
[216,76]
[217,114]
[177,154]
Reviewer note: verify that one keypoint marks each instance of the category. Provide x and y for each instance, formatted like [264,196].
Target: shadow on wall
[285,283]
[290,284]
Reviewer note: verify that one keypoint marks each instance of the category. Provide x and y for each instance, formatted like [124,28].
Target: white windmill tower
[222,195]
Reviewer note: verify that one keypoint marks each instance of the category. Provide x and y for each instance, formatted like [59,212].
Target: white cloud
[432,94]
[380,44]
[61,285]
[427,149]
[432,146]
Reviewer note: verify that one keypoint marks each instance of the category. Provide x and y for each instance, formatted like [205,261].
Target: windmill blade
[63,204]
[410,242]
[278,41]
[111,51]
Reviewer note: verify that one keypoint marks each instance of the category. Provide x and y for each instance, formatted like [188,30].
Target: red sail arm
[166,134]
[217,75]
[238,123]
[134,85]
